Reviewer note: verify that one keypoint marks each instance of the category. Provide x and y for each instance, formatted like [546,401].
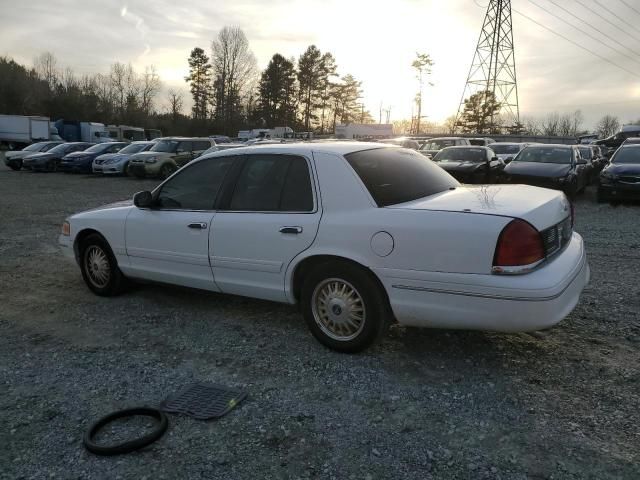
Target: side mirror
[143,199]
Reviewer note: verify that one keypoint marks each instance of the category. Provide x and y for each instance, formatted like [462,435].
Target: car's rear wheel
[99,267]
[344,307]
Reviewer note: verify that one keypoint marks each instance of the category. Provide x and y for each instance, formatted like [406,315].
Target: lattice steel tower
[494,64]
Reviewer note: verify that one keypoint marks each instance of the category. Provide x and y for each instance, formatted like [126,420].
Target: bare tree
[150,86]
[550,125]
[176,102]
[46,67]
[608,125]
[234,69]
[532,125]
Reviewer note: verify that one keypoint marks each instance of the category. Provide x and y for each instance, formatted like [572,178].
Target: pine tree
[199,80]
[277,90]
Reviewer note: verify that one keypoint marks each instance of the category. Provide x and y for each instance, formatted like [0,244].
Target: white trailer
[18,131]
[125,133]
[364,130]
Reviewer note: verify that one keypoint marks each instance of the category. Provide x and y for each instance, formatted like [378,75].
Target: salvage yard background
[423,404]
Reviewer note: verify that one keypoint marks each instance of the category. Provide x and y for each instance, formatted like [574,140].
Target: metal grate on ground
[203,401]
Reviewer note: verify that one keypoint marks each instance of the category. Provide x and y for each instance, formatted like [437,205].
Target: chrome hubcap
[338,309]
[97,265]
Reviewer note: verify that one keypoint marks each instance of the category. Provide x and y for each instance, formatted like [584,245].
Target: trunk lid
[541,207]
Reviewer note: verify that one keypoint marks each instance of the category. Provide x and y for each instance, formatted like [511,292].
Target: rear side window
[184,147]
[201,145]
[269,183]
[395,176]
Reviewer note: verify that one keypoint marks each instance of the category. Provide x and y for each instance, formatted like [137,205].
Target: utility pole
[493,69]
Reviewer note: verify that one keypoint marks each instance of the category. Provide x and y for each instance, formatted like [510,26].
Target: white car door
[271,216]
[170,242]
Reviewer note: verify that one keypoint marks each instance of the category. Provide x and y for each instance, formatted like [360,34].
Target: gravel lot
[423,404]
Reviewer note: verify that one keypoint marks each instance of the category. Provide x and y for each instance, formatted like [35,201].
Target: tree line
[307,95]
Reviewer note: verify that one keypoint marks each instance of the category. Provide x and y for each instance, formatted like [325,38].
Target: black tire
[52,166]
[17,165]
[125,170]
[600,197]
[130,445]
[103,278]
[166,170]
[571,191]
[375,309]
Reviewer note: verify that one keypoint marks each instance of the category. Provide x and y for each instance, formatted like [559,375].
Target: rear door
[271,215]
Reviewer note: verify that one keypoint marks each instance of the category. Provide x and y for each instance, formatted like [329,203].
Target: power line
[577,44]
[606,20]
[579,30]
[631,7]
[594,28]
[633,27]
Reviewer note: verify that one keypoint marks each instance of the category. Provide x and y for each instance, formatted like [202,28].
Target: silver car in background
[118,163]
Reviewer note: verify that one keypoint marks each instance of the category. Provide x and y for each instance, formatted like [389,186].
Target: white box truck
[18,131]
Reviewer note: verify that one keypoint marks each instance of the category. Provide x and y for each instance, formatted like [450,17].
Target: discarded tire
[130,445]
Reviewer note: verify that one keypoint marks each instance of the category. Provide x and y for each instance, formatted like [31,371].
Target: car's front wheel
[99,267]
[166,171]
[16,165]
[344,307]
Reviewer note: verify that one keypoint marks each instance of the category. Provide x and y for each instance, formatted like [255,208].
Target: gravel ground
[422,404]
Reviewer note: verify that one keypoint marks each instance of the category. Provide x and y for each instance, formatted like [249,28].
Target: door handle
[295,230]
[198,225]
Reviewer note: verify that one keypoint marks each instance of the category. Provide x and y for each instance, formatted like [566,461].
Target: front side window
[195,187]
[183,147]
[271,183]
[395,176]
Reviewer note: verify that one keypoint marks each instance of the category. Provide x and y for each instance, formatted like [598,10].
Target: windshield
[99,147]
[627,155]
[169,146]
[505,149]
[134,148]
[62,148]
[475,155]
[35,147]
[438,144]
[586,153]
[395,176]
[545,155]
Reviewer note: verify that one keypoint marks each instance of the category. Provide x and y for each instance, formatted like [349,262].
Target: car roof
[469,147]
[510,143]
[554,145]
[448,138]
[339,148]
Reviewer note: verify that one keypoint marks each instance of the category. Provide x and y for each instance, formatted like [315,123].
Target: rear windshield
[438,144]
[627,155]
[475,155]
[545,155]
[505,149]
[395,176]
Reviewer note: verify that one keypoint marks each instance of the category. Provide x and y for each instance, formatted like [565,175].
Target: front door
[170,242]
[271,216]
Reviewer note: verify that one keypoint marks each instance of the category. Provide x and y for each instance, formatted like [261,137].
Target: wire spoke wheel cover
[97,266]
[338,309]
[130,445]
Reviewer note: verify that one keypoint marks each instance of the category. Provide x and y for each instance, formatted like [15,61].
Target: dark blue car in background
[82,161]
[49,161]
[620,180]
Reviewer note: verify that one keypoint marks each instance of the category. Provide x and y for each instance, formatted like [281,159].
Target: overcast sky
[374,40]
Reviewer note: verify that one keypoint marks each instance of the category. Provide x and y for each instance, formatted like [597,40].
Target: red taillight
[519,244]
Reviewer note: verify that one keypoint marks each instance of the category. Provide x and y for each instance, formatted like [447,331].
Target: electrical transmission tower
[493,70]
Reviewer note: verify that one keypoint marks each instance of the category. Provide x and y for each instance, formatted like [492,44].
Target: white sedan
[357,234]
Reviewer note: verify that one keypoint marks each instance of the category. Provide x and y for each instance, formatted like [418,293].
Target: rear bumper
[521,303]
